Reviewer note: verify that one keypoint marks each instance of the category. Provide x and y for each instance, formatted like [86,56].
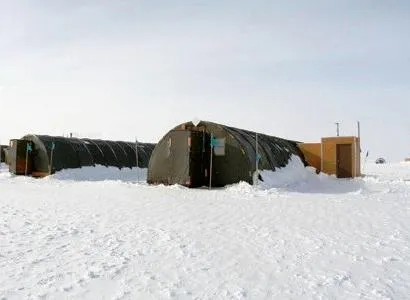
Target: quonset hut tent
[57,153]
[183,155]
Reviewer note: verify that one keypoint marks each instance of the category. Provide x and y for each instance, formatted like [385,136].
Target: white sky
[125,69]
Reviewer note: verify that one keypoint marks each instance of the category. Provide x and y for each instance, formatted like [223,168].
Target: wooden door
[344,166]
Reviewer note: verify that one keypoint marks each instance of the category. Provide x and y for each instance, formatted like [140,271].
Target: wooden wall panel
[322,156]
[311,151]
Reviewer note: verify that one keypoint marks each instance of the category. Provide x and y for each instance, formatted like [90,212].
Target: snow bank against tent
[298,178]
[97,173]
[293,174]
[4,171]
[100,173]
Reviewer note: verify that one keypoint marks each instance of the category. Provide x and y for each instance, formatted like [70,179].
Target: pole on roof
[256,159]
[337,128]
[136,159]
[50,166]
[28,149]
[210,161]
[25,169]
[321,156]
[360,147]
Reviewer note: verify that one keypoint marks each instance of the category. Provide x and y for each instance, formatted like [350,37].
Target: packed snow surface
[97,233]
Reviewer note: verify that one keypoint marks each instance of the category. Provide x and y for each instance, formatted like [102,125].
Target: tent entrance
[189,158]
[20,157]
[199,157]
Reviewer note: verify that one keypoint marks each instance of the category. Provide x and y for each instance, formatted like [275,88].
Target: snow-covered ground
[297,235]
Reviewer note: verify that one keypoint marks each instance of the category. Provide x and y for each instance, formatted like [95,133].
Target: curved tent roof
[70,153]
[234,161]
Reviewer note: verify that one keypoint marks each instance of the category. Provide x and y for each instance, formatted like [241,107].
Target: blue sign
[214,142]
[29,147]
[258,157]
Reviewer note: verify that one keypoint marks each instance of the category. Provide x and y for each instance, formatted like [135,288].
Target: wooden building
[338,156]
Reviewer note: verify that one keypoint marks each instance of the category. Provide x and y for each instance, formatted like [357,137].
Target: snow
[98,233]
[101,173]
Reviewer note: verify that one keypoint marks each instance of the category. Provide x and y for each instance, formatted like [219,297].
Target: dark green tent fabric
[174,161]
[71,153]
[3,150]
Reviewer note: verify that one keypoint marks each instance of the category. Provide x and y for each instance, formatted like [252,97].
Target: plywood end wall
[322,156]
[329,145]
[312,154]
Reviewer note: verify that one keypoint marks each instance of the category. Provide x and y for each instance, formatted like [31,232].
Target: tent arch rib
[71,153]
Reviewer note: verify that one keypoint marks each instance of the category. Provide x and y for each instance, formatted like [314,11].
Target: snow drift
[297,236]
